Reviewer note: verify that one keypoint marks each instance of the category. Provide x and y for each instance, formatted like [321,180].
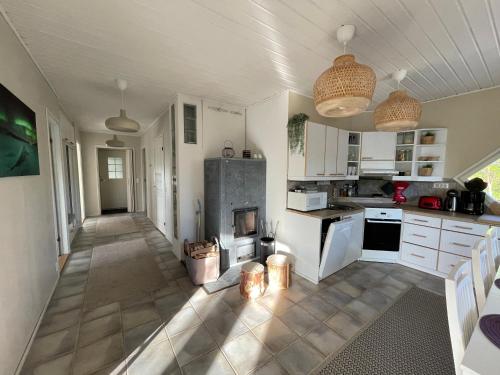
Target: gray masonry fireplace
[235,205]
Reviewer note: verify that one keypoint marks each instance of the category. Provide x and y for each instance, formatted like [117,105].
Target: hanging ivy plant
[296,133]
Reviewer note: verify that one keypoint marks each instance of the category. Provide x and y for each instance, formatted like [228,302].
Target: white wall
[29,253]
[160,128]
[89,143]
[267,134]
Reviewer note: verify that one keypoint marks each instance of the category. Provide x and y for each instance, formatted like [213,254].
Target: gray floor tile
[271,368]
[101,311]
[139,314]
[191,344]
[94,356]
[55,322]
[158,359]
[145,334]
[318,307]
[68,290]
[325,340]
[361,311]
[58,366]
[344,324]
[252,313]
[171,303]
[299,358]
[296,292]
[275,334]
[232,297]
[347,288]
[225,327]
[54,344]
[299,320]
[246,353]
[99,328]
[182,320]
[277,303]
[334,296]
[213,363]
[65,304]
[209,308]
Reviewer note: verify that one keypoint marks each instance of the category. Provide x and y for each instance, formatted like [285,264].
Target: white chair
[483,272]
[462,309]
[493,246]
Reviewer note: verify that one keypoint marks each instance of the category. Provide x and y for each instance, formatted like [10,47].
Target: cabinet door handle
[462,227]
[418,235]
[460,244]
[417,256]
[421,220]
[366,158]
[320,174]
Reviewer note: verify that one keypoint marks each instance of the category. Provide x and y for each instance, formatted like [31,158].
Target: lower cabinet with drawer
[421,256]
[458,243]
[447,261]
[421,235]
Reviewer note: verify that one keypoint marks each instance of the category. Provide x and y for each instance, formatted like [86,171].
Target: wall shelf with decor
[420,155]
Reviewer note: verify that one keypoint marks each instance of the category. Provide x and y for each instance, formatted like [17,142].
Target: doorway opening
[116,180]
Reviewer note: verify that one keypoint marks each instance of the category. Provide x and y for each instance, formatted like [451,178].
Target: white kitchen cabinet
[325,155]
[342,152]
[378,146]
[331,149]
[419,255]
[315,149]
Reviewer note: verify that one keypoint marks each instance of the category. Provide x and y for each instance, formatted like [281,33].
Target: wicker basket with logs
[252,280]
[202,261]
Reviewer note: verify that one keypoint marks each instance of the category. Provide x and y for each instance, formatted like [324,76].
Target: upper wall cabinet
[324,156]
[377,152]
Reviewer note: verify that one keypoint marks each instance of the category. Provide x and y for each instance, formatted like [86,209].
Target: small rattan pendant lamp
[346,88]
[399,111]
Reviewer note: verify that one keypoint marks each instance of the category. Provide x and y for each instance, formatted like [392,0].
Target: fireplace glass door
[245,222]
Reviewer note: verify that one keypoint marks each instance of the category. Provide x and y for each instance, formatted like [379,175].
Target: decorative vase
[425,171]
[228,150]
[427,139]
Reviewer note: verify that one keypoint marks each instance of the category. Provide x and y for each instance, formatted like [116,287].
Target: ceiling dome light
[399,111]
[122,123]
[115,142]
[345,89]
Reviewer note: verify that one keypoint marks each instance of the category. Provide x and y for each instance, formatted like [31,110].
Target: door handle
[417,256]
[418,235]
[460,244]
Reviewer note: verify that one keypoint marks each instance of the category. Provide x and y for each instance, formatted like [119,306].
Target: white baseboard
[35,330]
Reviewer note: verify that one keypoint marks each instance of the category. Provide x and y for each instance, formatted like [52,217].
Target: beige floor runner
[120,270]
[115,225]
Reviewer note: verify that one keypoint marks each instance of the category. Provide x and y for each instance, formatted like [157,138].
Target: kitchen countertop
[486,219]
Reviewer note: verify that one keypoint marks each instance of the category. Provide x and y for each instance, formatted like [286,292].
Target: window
[189,123]
[115,168]
[488,170]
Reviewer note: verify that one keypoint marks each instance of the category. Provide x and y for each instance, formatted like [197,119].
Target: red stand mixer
[399,188]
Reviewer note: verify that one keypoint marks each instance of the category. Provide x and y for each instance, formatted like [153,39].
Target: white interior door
[159,184]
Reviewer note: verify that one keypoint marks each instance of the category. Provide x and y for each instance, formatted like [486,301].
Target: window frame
[461,178]
[108,164]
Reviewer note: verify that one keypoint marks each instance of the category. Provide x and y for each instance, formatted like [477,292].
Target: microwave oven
[307,201]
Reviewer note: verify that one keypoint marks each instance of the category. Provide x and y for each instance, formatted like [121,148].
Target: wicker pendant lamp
[346,88]
[399,111]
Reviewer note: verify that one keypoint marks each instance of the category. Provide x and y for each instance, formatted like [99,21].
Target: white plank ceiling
[242,51]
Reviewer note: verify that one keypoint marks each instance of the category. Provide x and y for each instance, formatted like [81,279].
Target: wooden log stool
[252,280]
[278,270]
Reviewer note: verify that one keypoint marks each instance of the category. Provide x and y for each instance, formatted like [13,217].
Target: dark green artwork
[18,141]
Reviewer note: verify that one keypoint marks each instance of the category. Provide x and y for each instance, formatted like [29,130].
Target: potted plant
[296,133]
[427,138]
[425,170]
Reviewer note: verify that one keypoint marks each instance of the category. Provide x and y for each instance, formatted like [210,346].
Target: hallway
[102,308]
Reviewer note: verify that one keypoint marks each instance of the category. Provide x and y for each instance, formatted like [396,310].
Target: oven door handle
[383,221]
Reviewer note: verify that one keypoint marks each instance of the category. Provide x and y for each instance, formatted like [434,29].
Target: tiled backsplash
[367,187]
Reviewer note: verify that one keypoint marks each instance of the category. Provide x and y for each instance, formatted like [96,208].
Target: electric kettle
[451,201]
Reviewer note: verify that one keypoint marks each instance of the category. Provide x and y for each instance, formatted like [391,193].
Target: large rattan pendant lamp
[399,111]
[346,88]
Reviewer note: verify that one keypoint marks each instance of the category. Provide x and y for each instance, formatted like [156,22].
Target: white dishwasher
[336,252]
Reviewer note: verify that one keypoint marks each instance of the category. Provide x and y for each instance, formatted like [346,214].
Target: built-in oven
[382,234]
